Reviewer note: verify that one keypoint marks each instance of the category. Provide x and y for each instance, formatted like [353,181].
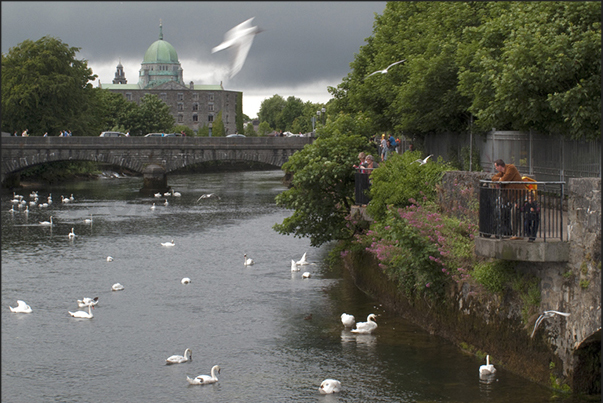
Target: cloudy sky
[305,47]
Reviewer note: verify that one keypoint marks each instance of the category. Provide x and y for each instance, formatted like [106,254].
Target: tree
[113,110]
[270,110]
[293,108]
[182,128]
[218,129]
[152,116]
[46,89]
[264,128]
[250,131]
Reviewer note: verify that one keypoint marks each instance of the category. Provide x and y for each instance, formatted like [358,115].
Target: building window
[180,96]
[129,96]
[195,96]
[210,97]
[180,106]
[180,118]
[210,107]
[210,118]
[195,107]
[195,118]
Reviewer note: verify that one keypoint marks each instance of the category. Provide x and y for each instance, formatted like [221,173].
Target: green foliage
[528,288]
[59,171]
[239,119]
[493,275]
[584,283]
[218,129]
[270,110]
[151,116]
[45,88]
[203,131]
[322,189]
[182,128]
[264,128]
[250,131]
[400,179]
[420,249]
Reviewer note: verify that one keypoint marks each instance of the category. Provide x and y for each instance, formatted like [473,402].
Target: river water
[251,321]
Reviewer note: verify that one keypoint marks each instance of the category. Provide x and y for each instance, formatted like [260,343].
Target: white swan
[422,162]
[157,195]
[46,222]
[109,258]
[84,302]
[330,386]
[117,287]
[65,199]
[366,327]
[12,209]
[71,234]
[153,206]
[348,320]
[176,194]
[167,194]
[43,205]
[488,368]
[166,202]
[88,220]
[83,314]
[294,266]
[179,359]
[306,274]
[185,280]
[168,243]
[247,262]
[21,307]
[205,379]
[71,197]
[303,260]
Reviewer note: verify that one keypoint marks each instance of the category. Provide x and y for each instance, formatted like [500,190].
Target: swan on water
[185,280]
[83,314]
[168,243]
[71,197]
[166,202]
[153,206]
[294,266]
[167,194]
[348,320]
[306,274]
[179,359]
[208,196]
[205,379]
[84,302]
[88,220]
[71,234]
[247,262]
[176,194]
[303,260]
[109,258]
[117,287]
[12,209]
[21,307]
[46,222]
[488,368]
[157,195]
[368,326]
[329,386]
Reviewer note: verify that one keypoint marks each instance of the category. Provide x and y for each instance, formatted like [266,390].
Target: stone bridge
[154,157]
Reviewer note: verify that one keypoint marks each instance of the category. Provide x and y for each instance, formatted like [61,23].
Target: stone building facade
[192,105]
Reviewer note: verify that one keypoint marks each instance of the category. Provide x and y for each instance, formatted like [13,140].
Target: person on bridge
[513,192]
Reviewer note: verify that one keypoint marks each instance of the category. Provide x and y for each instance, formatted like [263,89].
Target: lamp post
[318,113]
[324,113]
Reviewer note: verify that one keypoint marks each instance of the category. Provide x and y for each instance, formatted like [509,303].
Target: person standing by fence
[512,192]
[531,218]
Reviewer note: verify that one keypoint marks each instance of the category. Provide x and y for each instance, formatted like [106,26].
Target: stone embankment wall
[564,350]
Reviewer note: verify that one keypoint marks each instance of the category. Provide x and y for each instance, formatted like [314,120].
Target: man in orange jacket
[513,192]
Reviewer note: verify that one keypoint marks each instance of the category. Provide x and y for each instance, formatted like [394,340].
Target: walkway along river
[248,320]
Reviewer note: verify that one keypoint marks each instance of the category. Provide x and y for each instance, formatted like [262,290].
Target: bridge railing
[535,213]
[362,184]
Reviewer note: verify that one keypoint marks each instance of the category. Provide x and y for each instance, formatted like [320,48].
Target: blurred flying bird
[422,162]
[384,71]
[240,39]
[545,315]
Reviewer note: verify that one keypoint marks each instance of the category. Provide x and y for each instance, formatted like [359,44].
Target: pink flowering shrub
[421,249]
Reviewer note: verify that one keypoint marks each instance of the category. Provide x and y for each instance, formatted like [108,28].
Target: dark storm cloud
[302,42]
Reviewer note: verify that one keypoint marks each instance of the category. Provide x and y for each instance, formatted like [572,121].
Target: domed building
[194,105]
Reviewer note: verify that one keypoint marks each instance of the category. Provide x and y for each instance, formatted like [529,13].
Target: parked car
[163,135]
[236,135]
[112,134]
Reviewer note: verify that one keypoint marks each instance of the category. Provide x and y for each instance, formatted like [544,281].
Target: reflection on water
[249,320]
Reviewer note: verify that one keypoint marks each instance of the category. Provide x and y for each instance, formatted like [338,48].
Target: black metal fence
[362,186]
[535,213]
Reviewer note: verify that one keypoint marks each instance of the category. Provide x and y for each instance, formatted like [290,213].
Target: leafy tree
[45,88]
[153,115]
[218,129]
[250,131]
[293,108]
[182,128]
[270,110]
[264,128]
[400,180]
[240,118]
[203,131]
[113,110]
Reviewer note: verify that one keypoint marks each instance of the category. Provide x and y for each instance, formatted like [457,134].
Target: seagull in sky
[422,162]
[384,71]
[239,38]
[546,314]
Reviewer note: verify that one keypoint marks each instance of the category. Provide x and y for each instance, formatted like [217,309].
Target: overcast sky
[305,47]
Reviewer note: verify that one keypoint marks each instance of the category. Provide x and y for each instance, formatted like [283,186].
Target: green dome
[160,52]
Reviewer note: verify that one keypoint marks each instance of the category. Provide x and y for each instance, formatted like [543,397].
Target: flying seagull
[384,71]
[239,38]
[422,162]
[546,314]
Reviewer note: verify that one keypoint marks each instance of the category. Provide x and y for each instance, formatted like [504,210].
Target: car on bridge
[236,135]
[163,135]
[112,134]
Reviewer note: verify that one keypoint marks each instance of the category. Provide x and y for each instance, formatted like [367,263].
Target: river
[252,321]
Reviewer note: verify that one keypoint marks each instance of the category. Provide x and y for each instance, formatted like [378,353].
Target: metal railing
[536,213]
[362,184]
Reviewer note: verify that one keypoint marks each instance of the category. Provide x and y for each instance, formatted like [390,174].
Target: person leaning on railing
[511,196]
